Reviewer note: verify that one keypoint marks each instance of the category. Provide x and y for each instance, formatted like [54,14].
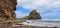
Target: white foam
[36,23]
[43,24]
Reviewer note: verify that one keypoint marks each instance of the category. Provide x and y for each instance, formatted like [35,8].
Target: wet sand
[10,26]
[33,27]
[5,25]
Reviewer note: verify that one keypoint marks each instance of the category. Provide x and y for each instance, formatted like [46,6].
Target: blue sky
[48,9]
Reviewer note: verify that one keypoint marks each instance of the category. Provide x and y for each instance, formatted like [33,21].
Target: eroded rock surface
[7,8]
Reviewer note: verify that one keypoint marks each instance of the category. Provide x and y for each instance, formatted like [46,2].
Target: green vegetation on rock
[33,15]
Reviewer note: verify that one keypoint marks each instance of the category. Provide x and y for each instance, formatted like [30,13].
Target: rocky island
[33,15]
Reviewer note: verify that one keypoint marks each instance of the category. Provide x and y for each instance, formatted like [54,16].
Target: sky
[48,9]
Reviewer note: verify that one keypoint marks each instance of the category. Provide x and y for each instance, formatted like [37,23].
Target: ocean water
[44,22]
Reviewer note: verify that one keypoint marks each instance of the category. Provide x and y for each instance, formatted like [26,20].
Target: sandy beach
[29,25]
[26,26]
[34,27]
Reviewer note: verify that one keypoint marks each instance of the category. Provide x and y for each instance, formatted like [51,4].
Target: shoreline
[41,24]
[25,26]
[35,27]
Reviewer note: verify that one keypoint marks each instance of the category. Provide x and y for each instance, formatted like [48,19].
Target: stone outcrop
[34,15]
[7,8]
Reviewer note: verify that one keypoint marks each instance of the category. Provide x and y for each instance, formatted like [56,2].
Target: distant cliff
[33,15]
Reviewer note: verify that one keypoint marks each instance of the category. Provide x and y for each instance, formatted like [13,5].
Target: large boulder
[7,8]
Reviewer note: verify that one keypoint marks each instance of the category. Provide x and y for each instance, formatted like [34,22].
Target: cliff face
[7,8]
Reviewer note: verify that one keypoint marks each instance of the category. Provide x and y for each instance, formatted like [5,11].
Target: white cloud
[35,4]
[53,15]
[41,6]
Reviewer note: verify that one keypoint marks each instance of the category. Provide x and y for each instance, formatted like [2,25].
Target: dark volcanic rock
[7,8]
[34,15]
